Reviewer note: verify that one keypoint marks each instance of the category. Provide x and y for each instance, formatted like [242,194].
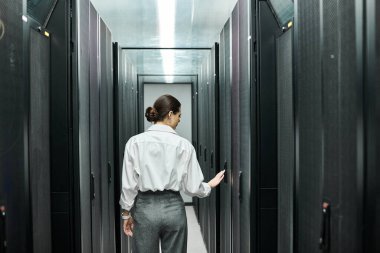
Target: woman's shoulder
[136,137]
[185,143]
[132,139]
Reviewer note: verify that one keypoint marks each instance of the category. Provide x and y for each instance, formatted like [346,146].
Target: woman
[157,165]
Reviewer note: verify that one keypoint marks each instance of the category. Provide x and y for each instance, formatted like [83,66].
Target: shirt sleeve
[129,180]
[192,182]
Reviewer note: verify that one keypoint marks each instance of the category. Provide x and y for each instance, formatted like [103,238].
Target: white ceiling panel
[165,24]
[135,23]
[150,61]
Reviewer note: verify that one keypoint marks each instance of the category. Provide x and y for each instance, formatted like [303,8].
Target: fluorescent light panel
[166,20]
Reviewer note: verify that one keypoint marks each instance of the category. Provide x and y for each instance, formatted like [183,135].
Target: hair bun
[151,114]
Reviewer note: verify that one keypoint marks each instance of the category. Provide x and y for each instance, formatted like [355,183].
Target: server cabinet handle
[225,172]
[324,240]
[3,231]
[109,172]
[212,159]
[92,186]
[200,150]
[240,185]
[205,154]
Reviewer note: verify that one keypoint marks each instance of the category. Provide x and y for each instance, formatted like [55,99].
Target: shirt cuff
[125,206]
[207,189]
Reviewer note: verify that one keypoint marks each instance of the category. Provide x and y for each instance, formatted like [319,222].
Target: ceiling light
[166,21]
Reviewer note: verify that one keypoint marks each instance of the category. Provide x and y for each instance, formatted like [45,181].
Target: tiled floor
[195,242]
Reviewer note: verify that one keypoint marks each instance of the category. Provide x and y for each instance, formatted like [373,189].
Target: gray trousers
[159,216]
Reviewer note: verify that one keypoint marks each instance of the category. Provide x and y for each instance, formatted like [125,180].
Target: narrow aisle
[195,243]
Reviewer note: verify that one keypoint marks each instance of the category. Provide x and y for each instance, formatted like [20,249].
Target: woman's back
[160,157]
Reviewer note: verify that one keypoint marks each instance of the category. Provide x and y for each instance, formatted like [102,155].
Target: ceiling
[165,24]
[136,23]
[154,61]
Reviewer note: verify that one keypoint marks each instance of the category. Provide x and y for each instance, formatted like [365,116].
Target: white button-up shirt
[159,159]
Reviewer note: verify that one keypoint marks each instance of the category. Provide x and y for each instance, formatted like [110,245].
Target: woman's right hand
[216,180]
[128,227]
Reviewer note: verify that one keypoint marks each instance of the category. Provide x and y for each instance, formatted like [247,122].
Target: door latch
[3,236]
[109,172]
[225,167]
[240,185]
[92,186]
[324,239]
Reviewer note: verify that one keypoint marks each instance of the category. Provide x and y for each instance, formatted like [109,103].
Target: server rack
[333,122]
[39,144]
[208,148]
[235,131]
[14,156]
[286,136]
[95,163]
[246,165]
[371,57]
[225,137]
[214,147]
[125,127]
[267,30]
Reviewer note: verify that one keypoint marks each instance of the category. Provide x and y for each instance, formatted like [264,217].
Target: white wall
[183,93]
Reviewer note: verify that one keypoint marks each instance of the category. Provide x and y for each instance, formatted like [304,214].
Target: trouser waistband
[164,192]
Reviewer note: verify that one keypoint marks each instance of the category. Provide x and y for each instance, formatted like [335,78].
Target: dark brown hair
[162,107]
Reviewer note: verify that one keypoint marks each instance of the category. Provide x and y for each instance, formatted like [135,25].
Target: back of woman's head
[162,107]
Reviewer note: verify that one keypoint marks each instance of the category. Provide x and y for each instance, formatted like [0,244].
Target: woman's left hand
[217,179]
[128,227]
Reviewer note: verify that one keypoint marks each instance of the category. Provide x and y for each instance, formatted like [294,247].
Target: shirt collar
[162,128]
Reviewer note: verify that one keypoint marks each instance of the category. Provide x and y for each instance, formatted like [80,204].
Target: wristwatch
[125,216]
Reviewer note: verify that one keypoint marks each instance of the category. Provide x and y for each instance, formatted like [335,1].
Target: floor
[195,242]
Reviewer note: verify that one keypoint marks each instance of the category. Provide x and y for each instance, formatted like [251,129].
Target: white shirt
[159,159]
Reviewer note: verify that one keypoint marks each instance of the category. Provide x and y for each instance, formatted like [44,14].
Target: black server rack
[126,125]
[95,163]
[286,136]
[103,101]
[46,123]
[235,129]
[14,170]
[342,112]
[334,118]
[225,138]
[214,147]
[39,144]
[244,169]
[44,48]
[93,140]
[266,107]
[61,173]
[110,167]
[371,126]
[208,206]
[81,122]
[203,144]
[118,136]
[208,149]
